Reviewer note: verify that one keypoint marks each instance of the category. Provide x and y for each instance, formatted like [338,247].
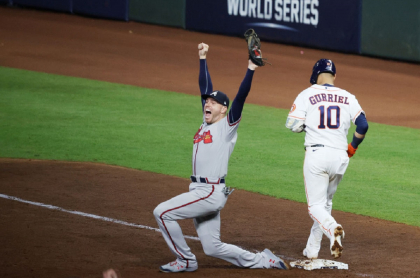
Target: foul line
[107,219]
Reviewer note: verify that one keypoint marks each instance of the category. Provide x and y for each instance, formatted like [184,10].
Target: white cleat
[310,254]
[179,266]
[336,246]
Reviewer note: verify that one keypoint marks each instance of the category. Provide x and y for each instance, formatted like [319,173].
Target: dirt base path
[40,241]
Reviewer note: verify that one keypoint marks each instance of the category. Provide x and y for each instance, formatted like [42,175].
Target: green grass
[46,116]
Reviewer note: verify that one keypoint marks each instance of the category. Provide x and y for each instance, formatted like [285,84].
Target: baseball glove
[254,48]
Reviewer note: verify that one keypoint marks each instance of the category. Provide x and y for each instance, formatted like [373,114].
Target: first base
[318,264]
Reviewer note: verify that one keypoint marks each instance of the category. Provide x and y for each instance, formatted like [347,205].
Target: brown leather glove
[254,48]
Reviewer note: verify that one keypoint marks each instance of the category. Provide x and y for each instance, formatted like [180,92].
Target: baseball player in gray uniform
[325,112]
[213,145]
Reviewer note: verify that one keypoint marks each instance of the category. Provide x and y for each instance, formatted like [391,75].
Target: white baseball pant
[323,170]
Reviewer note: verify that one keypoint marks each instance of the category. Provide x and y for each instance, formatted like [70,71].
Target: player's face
[213,111]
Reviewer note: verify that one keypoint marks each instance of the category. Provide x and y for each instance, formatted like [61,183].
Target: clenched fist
[202,50]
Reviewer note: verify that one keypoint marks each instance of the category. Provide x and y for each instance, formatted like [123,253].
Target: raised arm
[239,101]
[204,80]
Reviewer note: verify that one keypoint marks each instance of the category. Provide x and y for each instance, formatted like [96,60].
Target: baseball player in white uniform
[213,145]
[324,112]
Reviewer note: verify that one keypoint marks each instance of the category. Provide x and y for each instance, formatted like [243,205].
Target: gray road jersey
[213,145]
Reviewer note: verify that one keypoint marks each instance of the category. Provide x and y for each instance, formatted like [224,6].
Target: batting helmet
[323,65]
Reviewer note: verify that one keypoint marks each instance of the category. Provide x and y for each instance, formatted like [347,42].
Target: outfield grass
[46,116]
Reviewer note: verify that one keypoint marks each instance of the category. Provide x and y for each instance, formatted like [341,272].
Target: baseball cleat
[310,254]
[177,266]
[336,246]
[272,261]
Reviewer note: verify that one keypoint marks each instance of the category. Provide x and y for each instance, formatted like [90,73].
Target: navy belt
[205,180]
[315,146]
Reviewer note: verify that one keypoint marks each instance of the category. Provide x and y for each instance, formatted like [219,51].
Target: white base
[318,264]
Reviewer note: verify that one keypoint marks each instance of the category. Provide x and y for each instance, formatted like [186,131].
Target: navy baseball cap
[219,96]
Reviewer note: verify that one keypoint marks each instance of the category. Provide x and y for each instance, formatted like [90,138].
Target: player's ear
[224,109]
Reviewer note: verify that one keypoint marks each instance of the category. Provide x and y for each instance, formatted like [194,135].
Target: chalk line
[89,215]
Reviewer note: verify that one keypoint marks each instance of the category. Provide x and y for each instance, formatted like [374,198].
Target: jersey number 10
[333,116]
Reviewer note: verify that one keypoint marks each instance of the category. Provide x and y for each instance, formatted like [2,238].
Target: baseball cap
[219,96]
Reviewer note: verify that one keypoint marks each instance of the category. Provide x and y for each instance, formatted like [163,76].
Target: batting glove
[350,150]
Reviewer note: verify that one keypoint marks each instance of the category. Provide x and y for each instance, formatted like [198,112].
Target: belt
[205,180]
[315,146]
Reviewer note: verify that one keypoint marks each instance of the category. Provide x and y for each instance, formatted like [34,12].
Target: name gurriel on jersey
[328,98]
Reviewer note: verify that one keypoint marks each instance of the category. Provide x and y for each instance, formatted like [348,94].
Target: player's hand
[202,50]
[350,150]
[251,65]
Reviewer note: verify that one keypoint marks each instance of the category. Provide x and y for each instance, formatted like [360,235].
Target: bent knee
[316,206]
[157,212]
[211,251]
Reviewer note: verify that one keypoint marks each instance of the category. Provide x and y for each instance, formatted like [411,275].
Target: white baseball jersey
[213,145]
[327,112]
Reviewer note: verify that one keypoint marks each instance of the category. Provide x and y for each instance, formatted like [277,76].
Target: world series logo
[287,11]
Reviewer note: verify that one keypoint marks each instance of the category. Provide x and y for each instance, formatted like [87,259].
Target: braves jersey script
[327,112]
[213,145]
